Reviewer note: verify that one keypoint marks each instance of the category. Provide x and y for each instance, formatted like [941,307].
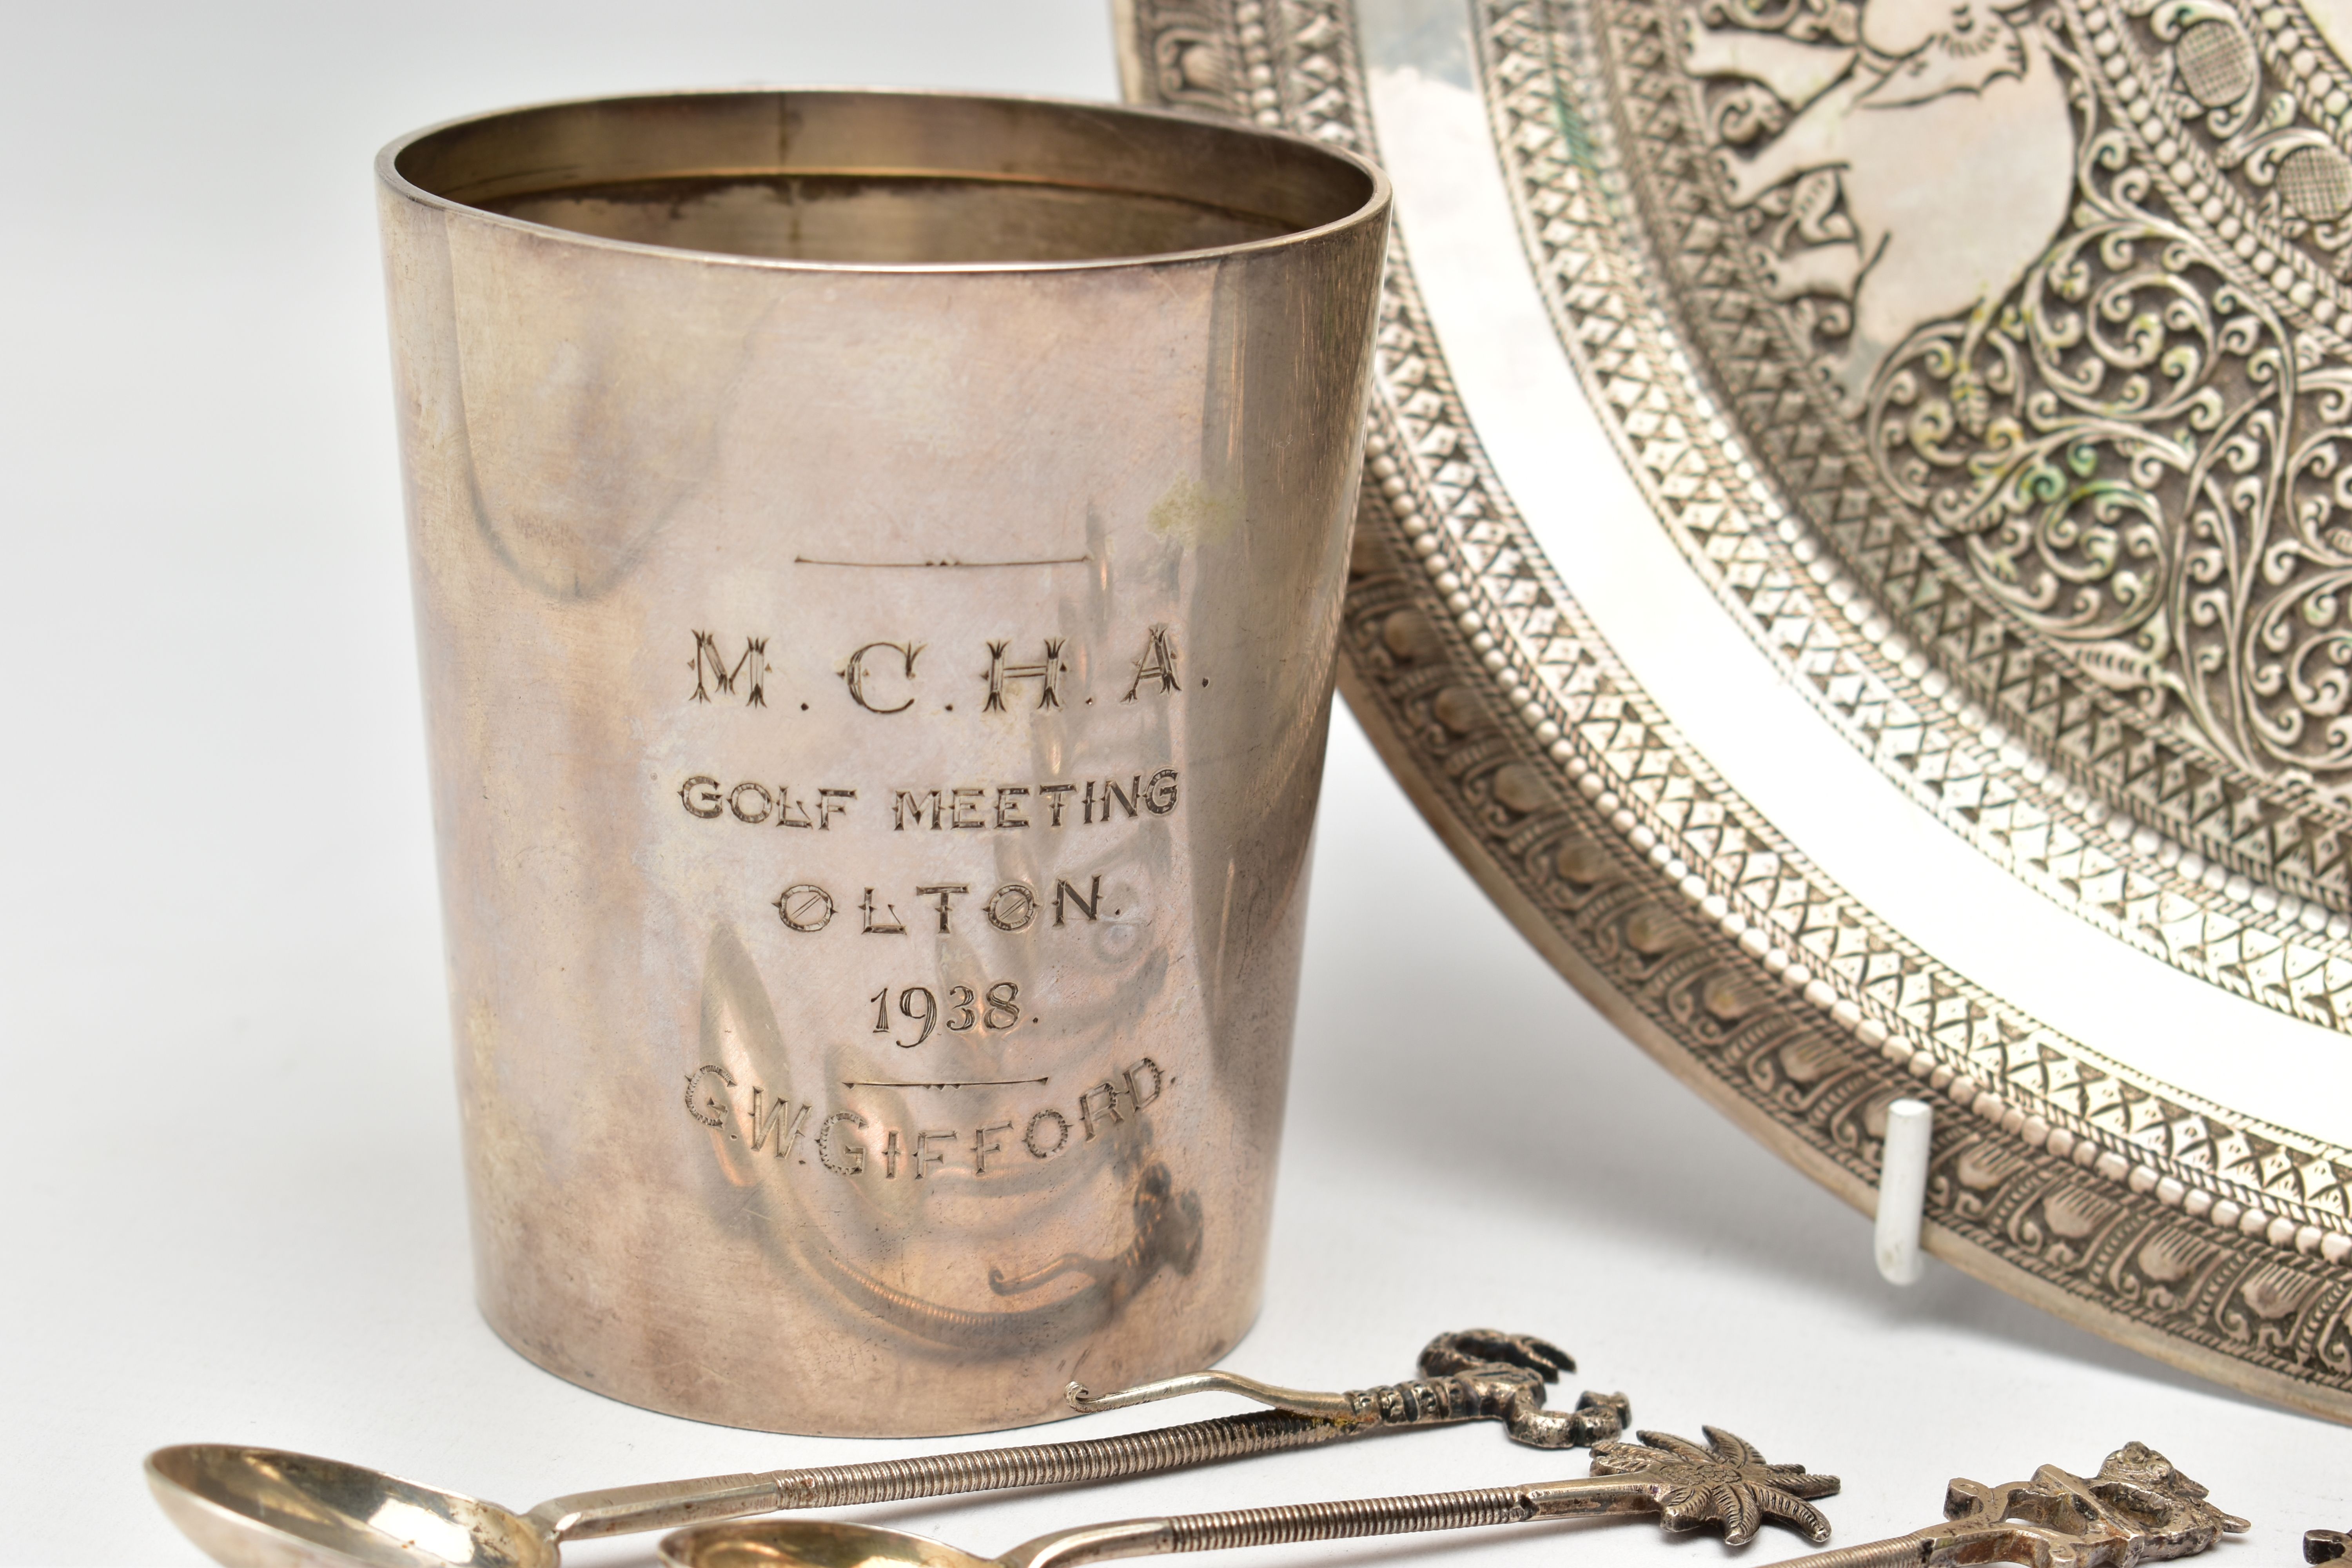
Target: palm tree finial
[1727,1482]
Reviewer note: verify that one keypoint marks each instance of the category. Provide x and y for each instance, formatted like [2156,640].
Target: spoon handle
[1509,1394]
[1054,1464]
[1895,1552]
[587,1515]
[1299,1401]
[1331,1521]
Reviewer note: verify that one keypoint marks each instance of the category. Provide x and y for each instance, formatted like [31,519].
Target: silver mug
[878,558]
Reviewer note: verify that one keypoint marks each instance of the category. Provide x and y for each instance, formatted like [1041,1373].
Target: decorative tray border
[2161,1221]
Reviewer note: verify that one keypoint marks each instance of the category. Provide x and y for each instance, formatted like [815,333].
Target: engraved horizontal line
[950,566]
[963,1083]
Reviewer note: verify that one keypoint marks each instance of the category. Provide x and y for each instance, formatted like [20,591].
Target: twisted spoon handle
[1053,1464]
[1896,1551]
[1332,1521]
[587,1515]
[1338,1521]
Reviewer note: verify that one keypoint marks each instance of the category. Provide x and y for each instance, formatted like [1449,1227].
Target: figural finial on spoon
[1477,1373]
[2137,1508]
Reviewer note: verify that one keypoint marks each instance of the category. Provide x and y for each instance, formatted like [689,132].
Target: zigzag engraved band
[2164,1223]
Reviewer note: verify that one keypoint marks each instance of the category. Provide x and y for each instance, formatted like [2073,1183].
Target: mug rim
[1375,204]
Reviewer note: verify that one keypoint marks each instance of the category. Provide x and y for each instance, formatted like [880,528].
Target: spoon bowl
[265,1508]
[812,1544]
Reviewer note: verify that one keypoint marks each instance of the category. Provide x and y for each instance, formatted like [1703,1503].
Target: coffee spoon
[2138,1508]
[1726,1483]
[1469,1375]
[264,1508]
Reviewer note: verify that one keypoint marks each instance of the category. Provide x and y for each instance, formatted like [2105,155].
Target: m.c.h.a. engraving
[1047,673]
[880,675]
[712,670]
[856,675]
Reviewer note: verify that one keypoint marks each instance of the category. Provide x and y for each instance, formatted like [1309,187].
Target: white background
[229,1193]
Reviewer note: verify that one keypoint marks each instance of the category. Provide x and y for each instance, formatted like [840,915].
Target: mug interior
[886,178]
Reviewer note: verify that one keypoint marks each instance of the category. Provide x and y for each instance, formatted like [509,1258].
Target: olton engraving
[809,907]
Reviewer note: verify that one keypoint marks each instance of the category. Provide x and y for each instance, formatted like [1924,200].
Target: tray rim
[1292,63]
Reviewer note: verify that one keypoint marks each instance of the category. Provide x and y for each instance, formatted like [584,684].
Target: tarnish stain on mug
[1190,515]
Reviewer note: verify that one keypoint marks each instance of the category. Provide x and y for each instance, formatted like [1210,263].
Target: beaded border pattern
[1770,565]
[1679,907]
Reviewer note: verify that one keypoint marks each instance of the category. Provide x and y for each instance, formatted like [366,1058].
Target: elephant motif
[1948,132]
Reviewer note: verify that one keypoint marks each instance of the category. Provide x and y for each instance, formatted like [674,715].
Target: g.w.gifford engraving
[848,1143]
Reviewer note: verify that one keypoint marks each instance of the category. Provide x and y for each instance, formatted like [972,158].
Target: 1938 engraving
[920,1005]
